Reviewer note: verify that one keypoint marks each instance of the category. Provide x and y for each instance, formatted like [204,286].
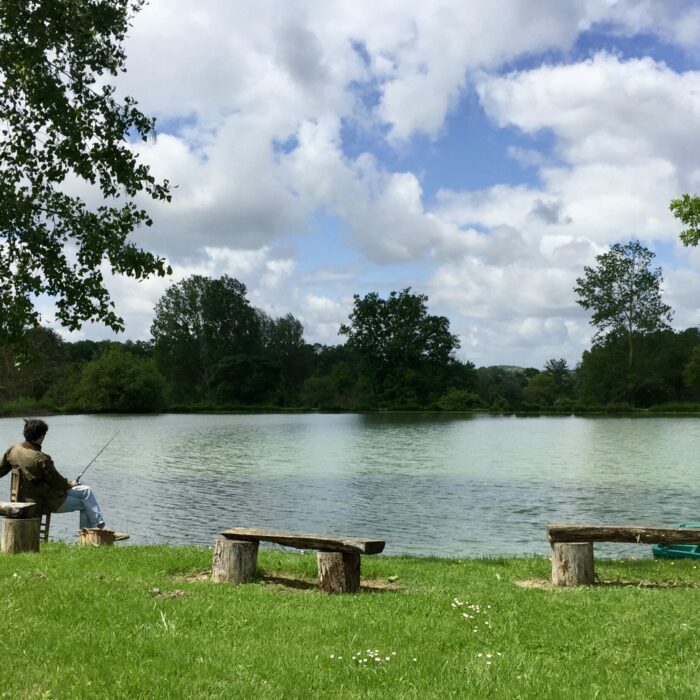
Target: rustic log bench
[20,527]
[572,546]
[338,558]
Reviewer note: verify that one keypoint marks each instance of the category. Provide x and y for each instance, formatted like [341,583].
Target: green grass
[145,622]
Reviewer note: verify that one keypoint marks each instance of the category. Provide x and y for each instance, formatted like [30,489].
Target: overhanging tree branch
[54,127]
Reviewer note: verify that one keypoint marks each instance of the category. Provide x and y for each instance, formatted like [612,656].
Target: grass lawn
[145,622]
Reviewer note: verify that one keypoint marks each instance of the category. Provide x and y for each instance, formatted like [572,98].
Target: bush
[621,407]
[676,407]
[24,406]
[119,382]
[563,405]
[459,400]
[500,405]
[587,406]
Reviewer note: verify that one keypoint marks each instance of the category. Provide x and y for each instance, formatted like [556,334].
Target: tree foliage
[198,322]
[214,346]
[604,376]
[691,373]
[61,128]
[219,352]
[119,382]
[293,357]
[687,210]
[624,294]
[502,387]
[29,368]
[405,350]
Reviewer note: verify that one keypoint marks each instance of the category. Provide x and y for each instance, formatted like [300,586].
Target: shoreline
[692,411]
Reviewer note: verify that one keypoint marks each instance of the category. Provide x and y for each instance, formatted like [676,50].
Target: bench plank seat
[354,545]
[572,545]
[639,534]
[18,510]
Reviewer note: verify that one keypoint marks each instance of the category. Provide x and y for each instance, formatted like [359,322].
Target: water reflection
[428,484]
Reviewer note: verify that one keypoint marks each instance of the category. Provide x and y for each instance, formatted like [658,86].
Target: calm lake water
[427,484]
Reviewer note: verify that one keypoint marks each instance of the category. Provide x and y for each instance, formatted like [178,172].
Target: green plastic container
[677,551]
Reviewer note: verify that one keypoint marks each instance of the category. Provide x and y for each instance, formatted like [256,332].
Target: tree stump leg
[234,561]
[20,535]
[572,563]
[338,572]
[96,537]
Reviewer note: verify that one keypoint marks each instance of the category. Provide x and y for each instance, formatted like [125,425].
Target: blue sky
[481,153]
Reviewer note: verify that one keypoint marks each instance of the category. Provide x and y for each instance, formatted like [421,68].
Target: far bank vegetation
[211,350]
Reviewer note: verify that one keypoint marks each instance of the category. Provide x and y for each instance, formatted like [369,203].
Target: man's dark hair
[34,428]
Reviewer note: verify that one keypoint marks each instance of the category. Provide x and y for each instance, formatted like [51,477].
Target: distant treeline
[212,350]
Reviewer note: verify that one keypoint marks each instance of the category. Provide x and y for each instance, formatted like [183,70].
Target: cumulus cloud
[623,158]
[255,101]
[676,22]
[603,109]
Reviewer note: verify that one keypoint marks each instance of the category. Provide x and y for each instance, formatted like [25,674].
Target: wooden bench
[572,546]
[338,558]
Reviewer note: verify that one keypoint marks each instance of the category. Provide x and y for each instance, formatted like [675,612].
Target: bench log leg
[572,563]
[96,537]
[234,561]
[20,535]
[338,572]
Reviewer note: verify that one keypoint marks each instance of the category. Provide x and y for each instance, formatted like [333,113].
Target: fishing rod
[80,476]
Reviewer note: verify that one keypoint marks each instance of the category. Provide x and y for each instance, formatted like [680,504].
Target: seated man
[40,482]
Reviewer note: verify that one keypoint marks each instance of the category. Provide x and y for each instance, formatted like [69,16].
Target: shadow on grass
[631,583]
[297,583]
[294,582]
[608,583]
[288,582]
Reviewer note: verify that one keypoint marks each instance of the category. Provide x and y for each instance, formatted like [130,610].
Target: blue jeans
[82,498]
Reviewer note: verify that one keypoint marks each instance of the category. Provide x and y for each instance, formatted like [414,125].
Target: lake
[427,484]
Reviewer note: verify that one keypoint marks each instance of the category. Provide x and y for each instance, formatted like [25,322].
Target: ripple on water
[427,484]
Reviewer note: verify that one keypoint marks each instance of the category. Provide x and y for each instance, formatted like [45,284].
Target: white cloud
[234,82]
[382,211]
[254,100]
[604,109]
[677,22]
[599,202]
[523,289]
[682,292]
[528,157]
[624,132]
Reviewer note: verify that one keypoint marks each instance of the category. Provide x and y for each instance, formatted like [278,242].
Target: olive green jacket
[39,481]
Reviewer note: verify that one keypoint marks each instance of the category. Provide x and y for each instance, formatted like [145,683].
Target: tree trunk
[234,561]
[20,535]
[572,563]
[96,537]
[338,572]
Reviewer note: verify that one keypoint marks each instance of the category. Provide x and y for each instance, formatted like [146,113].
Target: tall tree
[198,322]
[559,370]
[288,350]
[624,294]
[502,387]
[687,210]
[61,125]
[403,347]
